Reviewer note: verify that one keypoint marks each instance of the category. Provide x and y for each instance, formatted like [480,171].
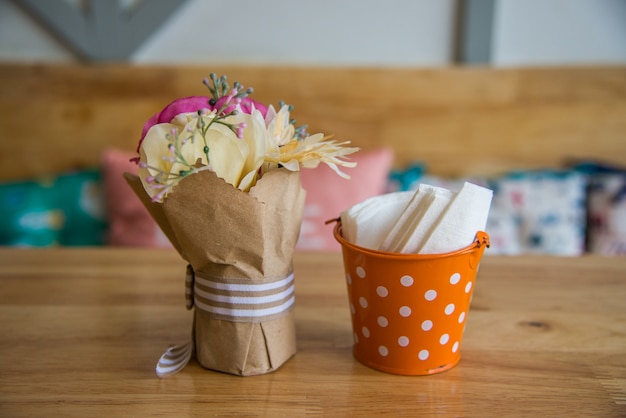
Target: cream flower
[227,154]
[309,152]
[252,144]
[159,164]
[285,150]
[192,143]
[280,130]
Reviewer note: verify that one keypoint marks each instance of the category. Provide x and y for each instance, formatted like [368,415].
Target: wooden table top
[82,330]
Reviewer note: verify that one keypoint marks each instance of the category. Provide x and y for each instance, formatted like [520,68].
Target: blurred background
[424,33]
[526,97]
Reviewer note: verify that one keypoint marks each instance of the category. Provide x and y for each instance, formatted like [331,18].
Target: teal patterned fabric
[29,214]
[64,210]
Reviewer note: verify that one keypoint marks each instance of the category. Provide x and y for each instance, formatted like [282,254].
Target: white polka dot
[383,351]
[444,339]
[405,311]
[430,295]
[427,325]
[356,338]
[363,302]
[348,278]
[382,321]
[468,287]
[455,347]
[382,291]
[406,281]
[366,332]
[449,309]
[423,355]
[461,317]
[403,341]
[352,309]
[454,279]
[360,271]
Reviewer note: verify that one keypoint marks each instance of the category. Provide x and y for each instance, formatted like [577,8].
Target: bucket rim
[481,239]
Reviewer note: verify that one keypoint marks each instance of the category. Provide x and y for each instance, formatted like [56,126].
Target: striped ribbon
[237,300]
[174,359]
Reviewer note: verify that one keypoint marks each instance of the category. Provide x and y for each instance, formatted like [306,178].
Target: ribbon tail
[174,359]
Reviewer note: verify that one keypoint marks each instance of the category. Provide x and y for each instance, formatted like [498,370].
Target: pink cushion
[130,224]
[328,195]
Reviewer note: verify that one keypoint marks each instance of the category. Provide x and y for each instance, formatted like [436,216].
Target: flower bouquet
[220,176]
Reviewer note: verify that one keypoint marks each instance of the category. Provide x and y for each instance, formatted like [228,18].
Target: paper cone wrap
[239,247]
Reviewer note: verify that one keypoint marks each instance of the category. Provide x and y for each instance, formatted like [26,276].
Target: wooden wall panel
[456,120]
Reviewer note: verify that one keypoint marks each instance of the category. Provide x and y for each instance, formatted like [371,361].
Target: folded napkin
[417,219]
[457,226]
[430,221]
[366,223]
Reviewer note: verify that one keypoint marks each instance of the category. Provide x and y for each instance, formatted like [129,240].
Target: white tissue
[431,220]
[366,223]
[417,220]
[457,226]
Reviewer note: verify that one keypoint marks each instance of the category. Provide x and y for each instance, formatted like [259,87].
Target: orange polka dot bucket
[409,310]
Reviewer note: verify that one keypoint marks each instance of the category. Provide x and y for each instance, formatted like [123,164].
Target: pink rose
[169,112]
[192,104]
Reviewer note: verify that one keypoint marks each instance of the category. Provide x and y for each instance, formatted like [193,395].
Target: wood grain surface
[82,330]
[458,121]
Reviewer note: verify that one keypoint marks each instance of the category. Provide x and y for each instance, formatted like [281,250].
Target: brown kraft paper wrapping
[234,238]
